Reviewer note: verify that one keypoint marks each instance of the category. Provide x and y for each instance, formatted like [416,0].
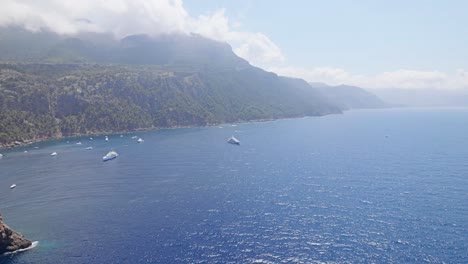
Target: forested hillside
[53,100]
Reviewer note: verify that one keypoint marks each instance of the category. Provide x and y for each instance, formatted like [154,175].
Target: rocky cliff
[11,240]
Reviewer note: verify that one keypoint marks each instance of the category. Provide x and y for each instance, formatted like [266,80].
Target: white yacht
[89,148]
[233,140]
[54,154]
[140,140]
[111,155]
[13,186]
[107,139]
[78,143]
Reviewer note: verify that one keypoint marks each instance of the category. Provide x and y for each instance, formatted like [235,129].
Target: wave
[33,245]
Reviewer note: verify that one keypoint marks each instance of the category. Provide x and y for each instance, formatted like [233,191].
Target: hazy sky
[370,43]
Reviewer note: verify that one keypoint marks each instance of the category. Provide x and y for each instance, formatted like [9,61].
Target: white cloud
[247,45]
[126,17]
[404,79]
[260,46]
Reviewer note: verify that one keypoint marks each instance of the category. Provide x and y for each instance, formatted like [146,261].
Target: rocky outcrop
[10,240]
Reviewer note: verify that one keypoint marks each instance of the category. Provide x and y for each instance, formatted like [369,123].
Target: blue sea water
[377,186]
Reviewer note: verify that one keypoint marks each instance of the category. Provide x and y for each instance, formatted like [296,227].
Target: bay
[373,186]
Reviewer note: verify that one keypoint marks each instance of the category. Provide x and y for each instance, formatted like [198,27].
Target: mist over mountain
[349,97]
[53,85]
[423,97]
[20,45]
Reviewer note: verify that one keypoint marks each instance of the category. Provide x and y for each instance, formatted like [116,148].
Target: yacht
[107,139]
[140,140]
[78,143]
[111,155]
[233,140]
[1,155]
[89,148]
[54,154]
[134,137]
[13,186]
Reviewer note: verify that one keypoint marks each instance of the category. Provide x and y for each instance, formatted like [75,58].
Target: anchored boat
[233,140]
[111,155]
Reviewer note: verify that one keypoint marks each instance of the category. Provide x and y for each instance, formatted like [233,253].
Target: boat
[78,143]
[89,148]
[1,155]
[134,137]
[233,140]
[54,154]
[121,136]
[111,155]
[107,139]
[140,140]
[13,186]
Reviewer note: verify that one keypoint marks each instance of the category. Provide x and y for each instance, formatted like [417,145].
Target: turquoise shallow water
[380,186]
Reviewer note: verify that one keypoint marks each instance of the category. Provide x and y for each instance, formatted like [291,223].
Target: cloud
[403,79]
[260,46]
[127,17]
[121,17]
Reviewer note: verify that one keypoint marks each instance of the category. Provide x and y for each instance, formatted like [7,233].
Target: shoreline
[17,144]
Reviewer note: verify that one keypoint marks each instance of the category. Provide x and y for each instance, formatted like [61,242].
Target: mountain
[349,97]
[424,97]
[20,45]
[92,84]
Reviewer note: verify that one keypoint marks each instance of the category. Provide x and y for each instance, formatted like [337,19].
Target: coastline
[16,144]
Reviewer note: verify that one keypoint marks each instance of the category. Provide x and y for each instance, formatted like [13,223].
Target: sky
[374,44]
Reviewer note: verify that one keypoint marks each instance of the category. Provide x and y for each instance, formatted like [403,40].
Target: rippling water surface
[383,186]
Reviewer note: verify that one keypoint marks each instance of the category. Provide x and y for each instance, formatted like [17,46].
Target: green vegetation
[52,100]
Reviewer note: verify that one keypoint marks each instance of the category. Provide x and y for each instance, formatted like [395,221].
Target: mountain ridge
[75,86]
[350,97]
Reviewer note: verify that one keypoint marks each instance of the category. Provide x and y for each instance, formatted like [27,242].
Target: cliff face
[11,240]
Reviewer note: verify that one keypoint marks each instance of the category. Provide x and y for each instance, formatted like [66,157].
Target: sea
[366,186]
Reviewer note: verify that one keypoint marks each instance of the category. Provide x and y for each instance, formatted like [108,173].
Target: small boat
[89,148]
[25,151]
[140,140]
[13,186]
[134,137]
[54,154]
[107,139]
[79,143]
[91,138]
[111,155]
[121,136]
[1,155]
[233,140]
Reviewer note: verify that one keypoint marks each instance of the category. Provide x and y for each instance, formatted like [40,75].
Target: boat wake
[33,245]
